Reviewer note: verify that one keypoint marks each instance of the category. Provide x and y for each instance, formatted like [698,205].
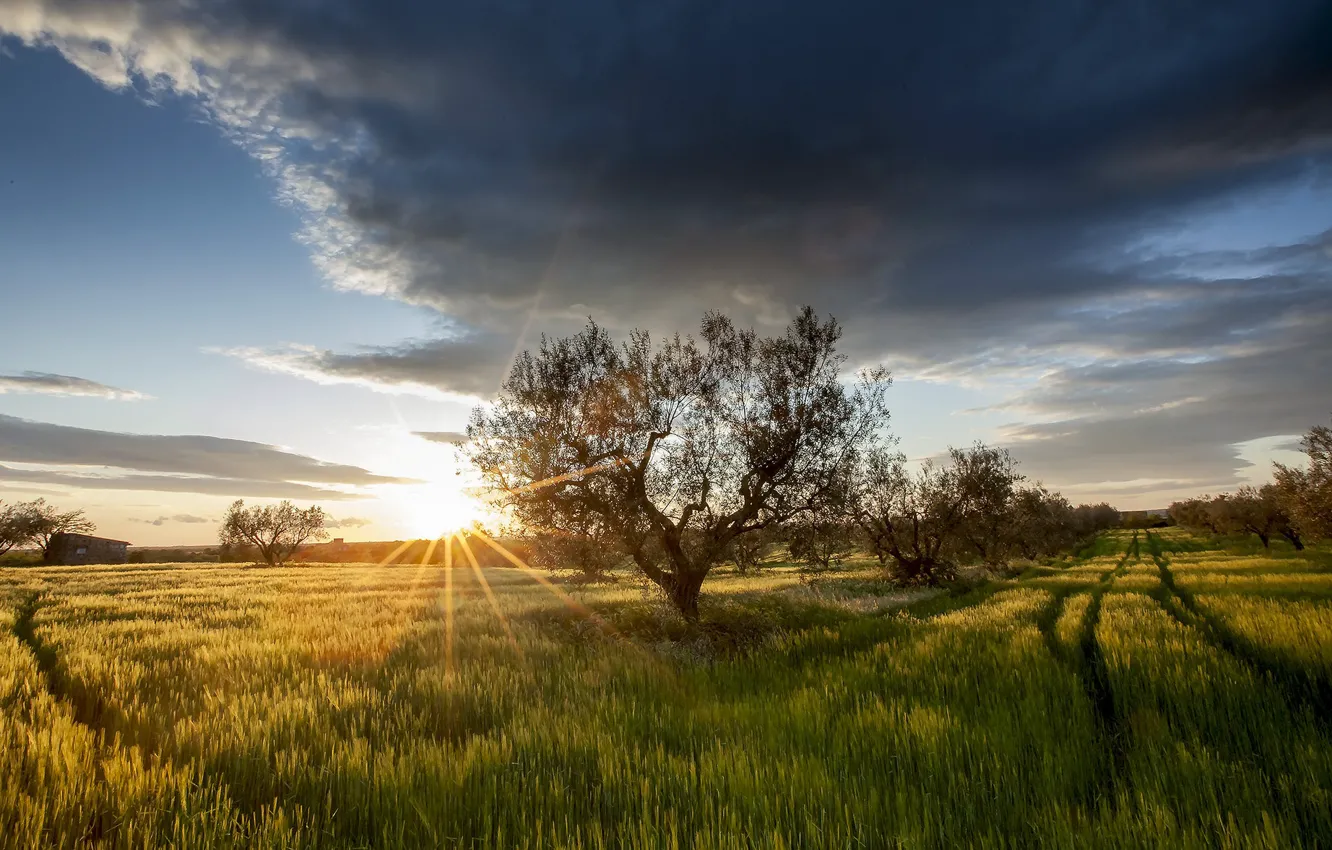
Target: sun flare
[437,509]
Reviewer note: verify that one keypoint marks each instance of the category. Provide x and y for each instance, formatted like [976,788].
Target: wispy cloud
[455,438]
[188,519]
[182,464]
[50,384]
[349,522]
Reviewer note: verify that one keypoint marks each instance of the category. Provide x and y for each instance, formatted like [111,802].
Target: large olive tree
[681,446]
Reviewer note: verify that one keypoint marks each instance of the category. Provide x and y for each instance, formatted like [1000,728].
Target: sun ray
[396,552]
[448,608]
[490,594]
[559,592]
[425,560]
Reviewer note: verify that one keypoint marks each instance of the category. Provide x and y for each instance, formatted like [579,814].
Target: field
[1154,693]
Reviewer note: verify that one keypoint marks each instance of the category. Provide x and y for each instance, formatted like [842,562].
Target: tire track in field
[1302,689]
[48,664]
[1090,666]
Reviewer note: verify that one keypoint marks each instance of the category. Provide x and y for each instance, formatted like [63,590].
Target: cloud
[973,212]
[349,522]
[50,384]
[455,438]
[452,368]
[182,518]
[231,487]
[187,464]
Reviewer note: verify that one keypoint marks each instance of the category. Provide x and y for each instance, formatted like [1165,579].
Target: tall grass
[199,706]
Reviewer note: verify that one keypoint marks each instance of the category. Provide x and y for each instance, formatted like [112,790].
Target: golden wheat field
[1154,693]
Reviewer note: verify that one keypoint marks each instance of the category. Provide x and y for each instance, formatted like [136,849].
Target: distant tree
[49,521]
[1091,519]
[276,531]
[1306,494]
[909,520]
[820,540]
[1042,522]
[1252,510]
[1194,514]
[987,480]
[19,523]
[681,447]
[587,550]
[748,550]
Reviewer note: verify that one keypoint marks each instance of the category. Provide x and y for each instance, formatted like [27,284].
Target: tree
[275,530]
[1252,510]
[987,480]
[820,540]
[748,550]
[19,524]
[1306,494]
[909,520]
[681,447]
[1042,522]
[1195,514]
[49,521]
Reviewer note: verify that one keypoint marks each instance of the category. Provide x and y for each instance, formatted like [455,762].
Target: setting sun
[437,508]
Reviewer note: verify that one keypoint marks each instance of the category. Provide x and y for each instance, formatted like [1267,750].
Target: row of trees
[34,523]
[679,455]
[1297,505]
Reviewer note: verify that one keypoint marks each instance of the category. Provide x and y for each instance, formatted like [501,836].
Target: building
[75,549]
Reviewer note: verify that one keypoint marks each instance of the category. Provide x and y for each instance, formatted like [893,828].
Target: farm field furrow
[1143,696]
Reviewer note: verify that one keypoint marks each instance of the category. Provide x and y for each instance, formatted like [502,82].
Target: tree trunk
[1263,537]
[684,589]
[1294,540]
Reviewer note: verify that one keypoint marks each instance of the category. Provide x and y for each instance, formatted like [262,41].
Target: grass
[1152,693]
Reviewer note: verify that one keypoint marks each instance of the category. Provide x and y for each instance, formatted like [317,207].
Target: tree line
[681,454]
[1296,505]
[34,523]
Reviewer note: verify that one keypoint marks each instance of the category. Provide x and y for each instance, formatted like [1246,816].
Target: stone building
[75,549]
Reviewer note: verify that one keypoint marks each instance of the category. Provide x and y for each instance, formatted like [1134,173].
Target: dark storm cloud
[190,464]
[470,366]
[50,384]
[960,182]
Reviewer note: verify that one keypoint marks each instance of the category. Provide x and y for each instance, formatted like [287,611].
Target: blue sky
[267,249]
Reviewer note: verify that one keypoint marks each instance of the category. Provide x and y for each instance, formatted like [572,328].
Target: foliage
[680,447]
[747,551]
[276,531]
[18,525]
[820,540]
[36,522]
[1306,494]
[1250,510]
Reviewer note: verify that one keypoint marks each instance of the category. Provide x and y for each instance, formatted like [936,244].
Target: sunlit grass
[414,705]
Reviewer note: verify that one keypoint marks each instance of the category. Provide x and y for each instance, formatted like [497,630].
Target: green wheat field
[1155,692]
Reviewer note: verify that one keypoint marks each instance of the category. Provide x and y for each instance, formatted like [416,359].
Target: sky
[272,249]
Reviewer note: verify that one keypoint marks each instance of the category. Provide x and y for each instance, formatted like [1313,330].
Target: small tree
[275,530]
[677,448]
[748,550]
[1306,494]
[909,520]
[987,480]
[1042,522]
[820,541]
